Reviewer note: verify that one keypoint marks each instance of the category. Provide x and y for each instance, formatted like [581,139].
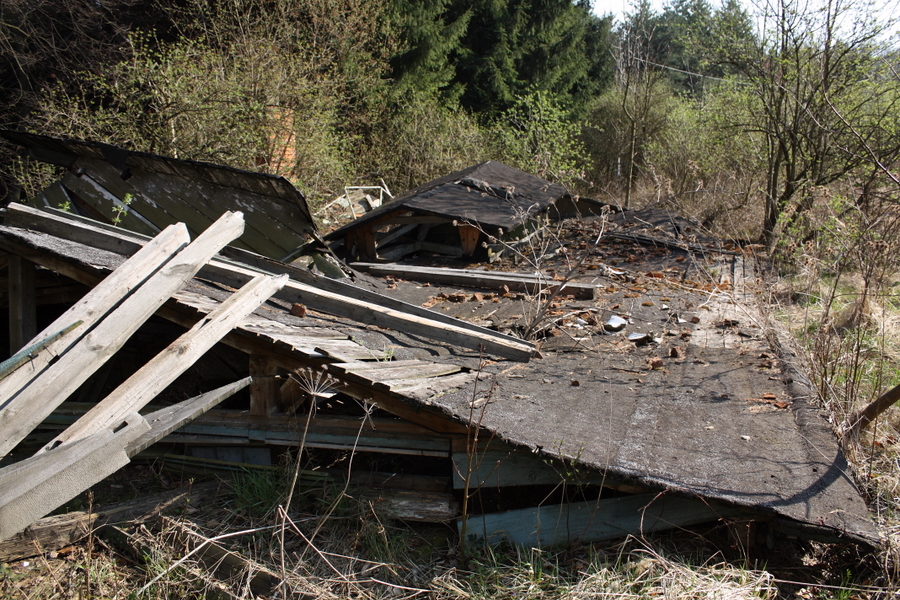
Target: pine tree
[514,47]
[430,37]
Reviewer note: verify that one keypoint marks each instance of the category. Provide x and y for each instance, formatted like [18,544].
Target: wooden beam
[393,235]
[531,283]
[166,420]
[375,435]
[51,387]
[95,304]
[419,507]
[22,303]
[35,486]
[178,357]
[595,521]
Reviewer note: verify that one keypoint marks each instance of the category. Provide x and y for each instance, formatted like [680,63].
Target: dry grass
[838,295]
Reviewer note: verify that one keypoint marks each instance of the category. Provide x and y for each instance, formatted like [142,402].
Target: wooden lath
[64,356]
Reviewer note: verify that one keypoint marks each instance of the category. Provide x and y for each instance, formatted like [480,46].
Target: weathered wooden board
[594,521]
[166,420]
[418,507]
[34,487]
[373,435]
[395,370]
[33,403]
[520,282]
[95,305]
[165,367]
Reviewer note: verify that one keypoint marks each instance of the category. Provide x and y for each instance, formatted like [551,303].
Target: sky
[620,7]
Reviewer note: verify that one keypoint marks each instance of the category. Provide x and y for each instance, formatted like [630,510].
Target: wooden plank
[31,489]
[520,282]
[375,435]
[96,304]
[394,234]
[22,303]
[57,531]
[166,420]
[51,387]
[351,307]
[412,373]
[594,521]
[398,369]
[78,229]
[338,298]
[398,252]
[418,507]
[168,365]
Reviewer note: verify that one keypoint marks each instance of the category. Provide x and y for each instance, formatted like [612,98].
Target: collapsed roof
[454,214]
[145,192]
[695,406]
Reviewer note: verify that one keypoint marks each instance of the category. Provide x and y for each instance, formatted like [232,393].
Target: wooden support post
[366,241]
[264,386]
[469,235]
[22,303]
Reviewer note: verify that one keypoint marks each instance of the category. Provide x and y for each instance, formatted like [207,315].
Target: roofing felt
[712,409]
[715,408]
[490,194]
[166,190]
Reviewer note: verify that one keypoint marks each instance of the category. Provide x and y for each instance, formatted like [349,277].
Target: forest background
[744,120]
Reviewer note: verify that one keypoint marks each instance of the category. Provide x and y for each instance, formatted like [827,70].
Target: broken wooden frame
[99,444]
[329,296]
